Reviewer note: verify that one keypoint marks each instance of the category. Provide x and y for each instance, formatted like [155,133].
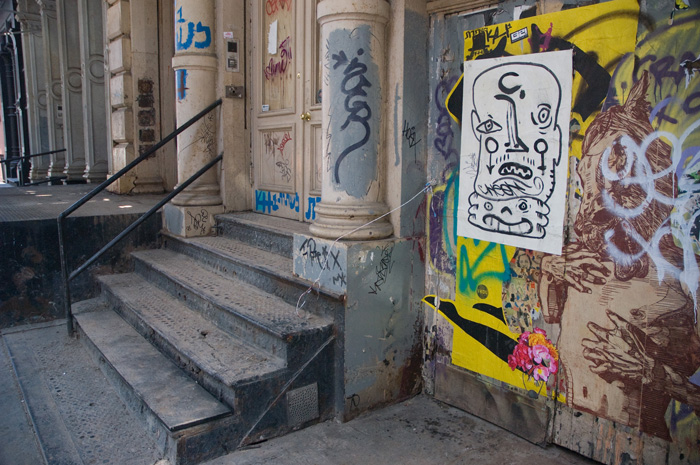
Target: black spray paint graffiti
[325,259]
[358,109]
[198,222]
[285,170]
[383,269]
[595,79]
[519,148]
[409,132]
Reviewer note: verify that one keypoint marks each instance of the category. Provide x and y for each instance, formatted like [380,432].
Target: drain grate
[302,405]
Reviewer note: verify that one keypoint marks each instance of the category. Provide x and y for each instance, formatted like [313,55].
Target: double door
[287,141]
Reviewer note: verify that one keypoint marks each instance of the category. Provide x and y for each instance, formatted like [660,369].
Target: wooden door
[287,139]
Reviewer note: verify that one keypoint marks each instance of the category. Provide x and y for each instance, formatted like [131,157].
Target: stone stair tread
[280,225]
[196,338]
[242,252]
[250,303]
[169,393]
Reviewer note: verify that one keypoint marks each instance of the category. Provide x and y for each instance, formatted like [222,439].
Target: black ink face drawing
[520,142]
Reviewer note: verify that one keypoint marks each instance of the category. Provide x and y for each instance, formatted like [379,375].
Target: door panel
[286,108]
[312,179]
[277,36]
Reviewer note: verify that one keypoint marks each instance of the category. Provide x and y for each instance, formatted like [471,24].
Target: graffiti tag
[357,107]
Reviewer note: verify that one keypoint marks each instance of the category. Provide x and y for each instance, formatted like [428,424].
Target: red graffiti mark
[280,67]
[286,138]
[273,6]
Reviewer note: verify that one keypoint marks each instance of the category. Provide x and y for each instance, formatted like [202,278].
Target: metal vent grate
[302,404]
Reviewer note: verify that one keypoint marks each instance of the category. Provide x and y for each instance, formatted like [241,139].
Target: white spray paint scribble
[646,178]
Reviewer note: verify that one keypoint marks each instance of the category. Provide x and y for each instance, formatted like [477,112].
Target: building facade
[506,194]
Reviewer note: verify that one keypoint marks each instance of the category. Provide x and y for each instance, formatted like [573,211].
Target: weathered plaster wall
[233,136]
[619,305]
[380,326]
[405,103]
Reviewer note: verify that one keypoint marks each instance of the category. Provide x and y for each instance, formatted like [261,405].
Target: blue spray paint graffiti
[192,29]
[181,84]
[268,202]
[470,274]
[311,207]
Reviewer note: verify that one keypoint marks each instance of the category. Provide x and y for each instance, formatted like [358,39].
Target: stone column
[54,94]
[93,74]
[71,84]
[353,35]
[29,17]
[195,68]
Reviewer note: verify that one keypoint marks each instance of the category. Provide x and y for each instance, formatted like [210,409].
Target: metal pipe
[138,160]
[64,214]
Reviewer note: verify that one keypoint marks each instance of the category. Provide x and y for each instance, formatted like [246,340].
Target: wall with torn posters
[564,289]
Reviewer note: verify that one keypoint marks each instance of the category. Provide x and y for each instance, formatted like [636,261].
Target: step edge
[290,277]
[139,394]
[326,321]
[177,348]
[233,218]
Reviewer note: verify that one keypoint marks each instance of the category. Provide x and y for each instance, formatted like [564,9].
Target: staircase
[204,340]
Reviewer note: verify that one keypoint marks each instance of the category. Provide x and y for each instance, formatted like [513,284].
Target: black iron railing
[23,158]
[20,166]
[68,277]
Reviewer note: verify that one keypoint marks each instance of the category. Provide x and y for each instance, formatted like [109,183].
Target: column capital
[367,10]
[47,5]
[29,16]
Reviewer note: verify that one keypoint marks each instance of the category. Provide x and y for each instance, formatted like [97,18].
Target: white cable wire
[317,282]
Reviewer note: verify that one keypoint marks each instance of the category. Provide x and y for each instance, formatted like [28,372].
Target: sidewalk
[59,409]
[46,202]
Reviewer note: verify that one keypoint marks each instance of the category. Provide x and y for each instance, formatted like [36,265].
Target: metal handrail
[24,157]
[83,200]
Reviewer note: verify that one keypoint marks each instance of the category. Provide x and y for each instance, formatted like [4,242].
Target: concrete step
[261,231]
[261,268]
[189,423]
[212,357]
[241,309]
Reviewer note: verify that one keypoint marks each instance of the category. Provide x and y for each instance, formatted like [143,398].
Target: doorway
[286,107]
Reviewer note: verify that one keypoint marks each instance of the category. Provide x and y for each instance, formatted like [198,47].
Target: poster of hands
[515,139]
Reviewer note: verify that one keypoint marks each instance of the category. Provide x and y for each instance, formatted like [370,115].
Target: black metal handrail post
[66,277]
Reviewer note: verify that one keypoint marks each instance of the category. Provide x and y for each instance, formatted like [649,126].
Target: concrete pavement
[57,408]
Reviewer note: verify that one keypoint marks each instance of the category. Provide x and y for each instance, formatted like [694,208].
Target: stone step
[189,424]
[261,231]
[241,309]
[261,268]
[212,357]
